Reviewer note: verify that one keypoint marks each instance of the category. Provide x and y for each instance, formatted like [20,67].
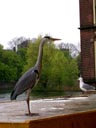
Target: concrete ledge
[77,120]
[77,112]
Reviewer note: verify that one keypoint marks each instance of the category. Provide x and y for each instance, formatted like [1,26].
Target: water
[6,97]
[39,95]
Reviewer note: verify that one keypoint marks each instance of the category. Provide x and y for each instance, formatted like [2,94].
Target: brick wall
[87,55]
[86,12]
[87,46]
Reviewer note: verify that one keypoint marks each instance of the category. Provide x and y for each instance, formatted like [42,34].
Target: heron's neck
[39,59]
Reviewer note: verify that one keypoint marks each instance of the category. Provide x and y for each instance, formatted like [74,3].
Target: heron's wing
[26,81]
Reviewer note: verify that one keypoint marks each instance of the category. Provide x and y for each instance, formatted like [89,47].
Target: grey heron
[85,87]
[30,78]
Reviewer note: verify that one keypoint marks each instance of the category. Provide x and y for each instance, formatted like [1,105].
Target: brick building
[88,39]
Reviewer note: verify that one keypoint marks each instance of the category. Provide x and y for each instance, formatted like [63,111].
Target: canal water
[39,95]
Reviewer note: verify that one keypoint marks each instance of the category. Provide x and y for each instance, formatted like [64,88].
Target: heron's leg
[28,104]
[28,100]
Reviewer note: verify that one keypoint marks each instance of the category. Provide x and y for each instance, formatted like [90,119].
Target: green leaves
[11,65]
[7,74]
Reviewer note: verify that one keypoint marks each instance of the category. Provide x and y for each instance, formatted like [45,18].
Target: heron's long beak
[54,39]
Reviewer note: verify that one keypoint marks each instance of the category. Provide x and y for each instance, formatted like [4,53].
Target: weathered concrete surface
[14,111]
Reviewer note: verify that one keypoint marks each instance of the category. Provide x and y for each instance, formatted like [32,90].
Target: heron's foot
[32,114]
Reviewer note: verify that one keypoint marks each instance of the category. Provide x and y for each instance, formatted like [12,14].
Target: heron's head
[49,38]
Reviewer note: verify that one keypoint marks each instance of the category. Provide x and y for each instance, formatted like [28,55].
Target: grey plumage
[27,81]
[85,87]
[30,78]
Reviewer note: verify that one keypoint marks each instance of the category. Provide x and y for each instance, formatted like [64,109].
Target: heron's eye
[48,37]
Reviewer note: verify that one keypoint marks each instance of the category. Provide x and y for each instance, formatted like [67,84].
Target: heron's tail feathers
[13,96]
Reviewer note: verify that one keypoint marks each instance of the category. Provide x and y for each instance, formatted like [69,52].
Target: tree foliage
[74,51]
[11,65]
[16,41]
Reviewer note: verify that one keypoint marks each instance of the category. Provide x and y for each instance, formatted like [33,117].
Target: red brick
[87,46]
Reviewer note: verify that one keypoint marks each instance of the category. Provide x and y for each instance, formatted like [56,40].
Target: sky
[31,18]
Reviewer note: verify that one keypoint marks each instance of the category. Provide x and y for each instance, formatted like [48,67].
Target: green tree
[11,64]
[1,46]
[7,74]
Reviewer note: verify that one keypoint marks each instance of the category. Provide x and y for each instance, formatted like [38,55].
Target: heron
[85,87]
[31,77]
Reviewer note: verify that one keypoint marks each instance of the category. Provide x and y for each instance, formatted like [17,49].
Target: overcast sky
[30,18]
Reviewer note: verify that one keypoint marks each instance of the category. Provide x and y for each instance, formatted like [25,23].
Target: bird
[31,77]
[85,87]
